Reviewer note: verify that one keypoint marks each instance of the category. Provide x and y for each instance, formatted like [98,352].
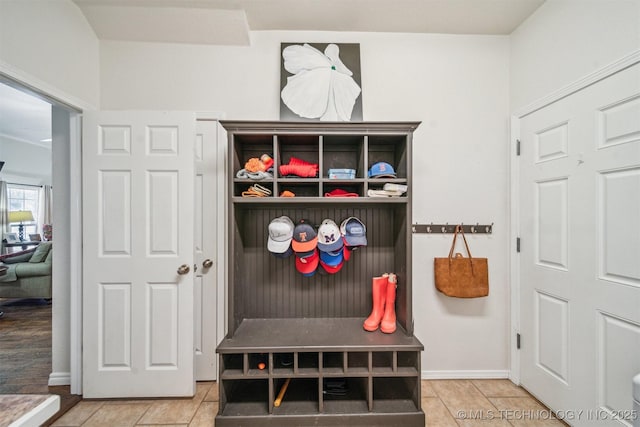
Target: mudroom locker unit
[308,332]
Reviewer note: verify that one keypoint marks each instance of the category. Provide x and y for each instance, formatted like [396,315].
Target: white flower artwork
[321,86]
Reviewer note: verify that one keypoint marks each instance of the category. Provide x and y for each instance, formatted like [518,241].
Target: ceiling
[28,119]
[230,21]
[23,117]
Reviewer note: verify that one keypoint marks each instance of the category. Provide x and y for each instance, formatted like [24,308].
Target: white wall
[564,40]
[50,43]
[456,85]
[25,163]
[49,46]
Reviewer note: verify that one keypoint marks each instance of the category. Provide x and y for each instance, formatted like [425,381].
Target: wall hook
[432,228]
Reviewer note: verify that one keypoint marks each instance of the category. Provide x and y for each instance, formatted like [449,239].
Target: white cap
[280,234]
[329,236]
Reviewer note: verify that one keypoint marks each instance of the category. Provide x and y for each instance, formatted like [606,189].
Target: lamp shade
[20,216]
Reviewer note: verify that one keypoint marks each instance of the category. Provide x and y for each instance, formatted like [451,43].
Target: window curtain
[4,209]
[45,211]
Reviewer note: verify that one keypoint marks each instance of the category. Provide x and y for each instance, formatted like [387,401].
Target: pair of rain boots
[383,314]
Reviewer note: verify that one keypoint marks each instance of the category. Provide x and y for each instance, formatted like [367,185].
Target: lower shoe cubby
[244,397]
[333,363]
[300,397]
[232,364]
[396,394]
[358,363]
[308,363]
[407,362]
[382,362]
[283,363]
[345,395]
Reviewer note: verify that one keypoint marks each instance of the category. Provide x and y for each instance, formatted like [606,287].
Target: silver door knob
[207,263]
[183,269]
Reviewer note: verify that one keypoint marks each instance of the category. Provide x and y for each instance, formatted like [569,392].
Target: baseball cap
[283,255]
[305,237]
[332,258]
[309,264]
[339,192]
[331,269]
[354,232]
[382,170]
[346,253]
[280,234]
[329,237]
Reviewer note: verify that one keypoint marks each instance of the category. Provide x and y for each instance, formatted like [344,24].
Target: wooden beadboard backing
[270,287]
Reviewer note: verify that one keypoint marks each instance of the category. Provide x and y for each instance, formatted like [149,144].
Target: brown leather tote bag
[460,277]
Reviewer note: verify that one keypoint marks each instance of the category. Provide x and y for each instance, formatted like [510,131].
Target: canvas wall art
[320,81]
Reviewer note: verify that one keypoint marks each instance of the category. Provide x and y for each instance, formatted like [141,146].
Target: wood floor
[25,350]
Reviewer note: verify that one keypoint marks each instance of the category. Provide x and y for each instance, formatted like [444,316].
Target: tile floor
[445,403]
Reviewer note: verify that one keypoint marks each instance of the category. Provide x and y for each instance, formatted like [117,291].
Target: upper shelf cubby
[305,153]
[343,152]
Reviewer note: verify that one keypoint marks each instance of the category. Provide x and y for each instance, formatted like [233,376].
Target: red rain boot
[388,324]
[379,286]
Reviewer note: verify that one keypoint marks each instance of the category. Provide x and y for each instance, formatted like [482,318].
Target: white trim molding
[40,414]
[41,88]
[464,375]
[75,243]
[514,264]
[59,378]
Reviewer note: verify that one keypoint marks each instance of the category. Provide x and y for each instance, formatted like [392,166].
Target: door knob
[183,269]
[207,263]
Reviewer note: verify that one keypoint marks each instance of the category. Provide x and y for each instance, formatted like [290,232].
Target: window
[24,198]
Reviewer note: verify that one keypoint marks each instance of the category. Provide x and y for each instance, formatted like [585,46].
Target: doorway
[25,302]
[64,319]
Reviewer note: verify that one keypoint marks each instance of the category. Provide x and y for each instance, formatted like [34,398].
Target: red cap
[339,192]
[346,253]
[332,269]
[308,264]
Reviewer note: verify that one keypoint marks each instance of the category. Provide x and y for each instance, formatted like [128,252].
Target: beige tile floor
[445,403]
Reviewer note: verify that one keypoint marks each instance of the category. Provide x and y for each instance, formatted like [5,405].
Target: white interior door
[138,200]
[205,252]
[580,251]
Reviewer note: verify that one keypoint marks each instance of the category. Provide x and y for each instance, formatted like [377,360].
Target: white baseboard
[41,413]
[59,378]
[463,375]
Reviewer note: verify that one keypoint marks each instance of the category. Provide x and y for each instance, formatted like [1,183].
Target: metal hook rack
[451,228]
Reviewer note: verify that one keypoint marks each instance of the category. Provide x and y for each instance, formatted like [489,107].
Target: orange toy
[254,165]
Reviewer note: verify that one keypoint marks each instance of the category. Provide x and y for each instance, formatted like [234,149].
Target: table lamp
[20,216]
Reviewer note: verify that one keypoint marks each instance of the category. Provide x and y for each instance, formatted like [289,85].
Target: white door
[205,253]
[138,180]
[580,251]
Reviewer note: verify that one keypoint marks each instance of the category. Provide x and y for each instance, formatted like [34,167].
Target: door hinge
[517,147]
[518,244]
[518,341]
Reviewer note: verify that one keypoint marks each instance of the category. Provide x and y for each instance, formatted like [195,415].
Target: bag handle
[453,244]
